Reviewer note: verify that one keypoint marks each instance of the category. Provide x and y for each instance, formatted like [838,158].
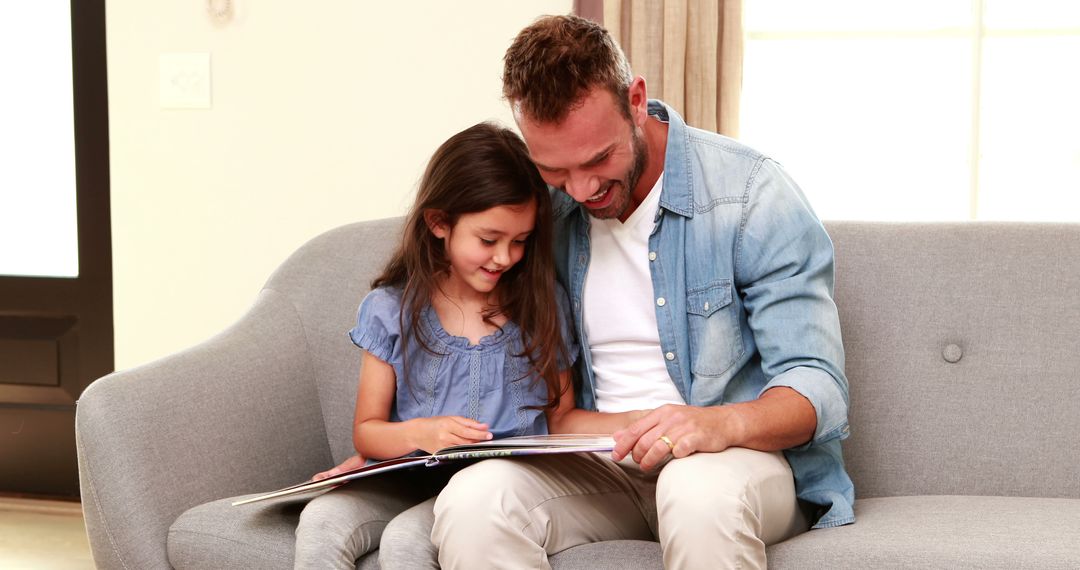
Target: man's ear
[639,100]
[436,222]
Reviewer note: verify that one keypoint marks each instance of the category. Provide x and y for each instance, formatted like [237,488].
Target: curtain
[690,53]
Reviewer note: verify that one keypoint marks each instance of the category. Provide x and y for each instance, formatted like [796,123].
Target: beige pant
[708,510]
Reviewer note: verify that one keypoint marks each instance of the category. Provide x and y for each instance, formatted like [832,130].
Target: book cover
[506,447]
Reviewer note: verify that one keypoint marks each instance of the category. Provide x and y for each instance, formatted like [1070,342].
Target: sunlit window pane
[871,129]
[1030,136]
[38,232]
[880,109]
[1031,14]
[855,15]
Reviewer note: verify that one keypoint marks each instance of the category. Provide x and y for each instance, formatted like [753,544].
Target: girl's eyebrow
[493,231]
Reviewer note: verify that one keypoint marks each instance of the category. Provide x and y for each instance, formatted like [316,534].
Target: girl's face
[481,246]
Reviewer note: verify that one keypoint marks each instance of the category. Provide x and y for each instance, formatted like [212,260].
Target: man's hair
[553,63]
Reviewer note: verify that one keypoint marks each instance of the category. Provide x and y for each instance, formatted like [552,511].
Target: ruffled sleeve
[378,324]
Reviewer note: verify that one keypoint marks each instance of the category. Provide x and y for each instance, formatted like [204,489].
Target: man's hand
[347,465]
[689,429]
[780,419]
[434,433]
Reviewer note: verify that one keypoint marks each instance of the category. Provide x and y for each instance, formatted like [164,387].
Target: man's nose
[582,186]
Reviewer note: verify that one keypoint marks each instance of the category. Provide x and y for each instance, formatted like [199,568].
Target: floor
[42,535]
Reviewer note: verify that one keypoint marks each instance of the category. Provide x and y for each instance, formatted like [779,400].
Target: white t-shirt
[620,314]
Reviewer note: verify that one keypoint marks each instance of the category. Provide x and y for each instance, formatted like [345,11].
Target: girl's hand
[347,465]
[434,433]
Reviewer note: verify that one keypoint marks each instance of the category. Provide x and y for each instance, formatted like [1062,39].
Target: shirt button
[670,356]
[706,305]
[652,256]
[660,302]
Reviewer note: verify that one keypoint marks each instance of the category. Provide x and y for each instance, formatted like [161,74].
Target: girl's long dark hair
[477,169]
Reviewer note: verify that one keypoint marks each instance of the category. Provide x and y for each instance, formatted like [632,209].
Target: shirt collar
[677,195]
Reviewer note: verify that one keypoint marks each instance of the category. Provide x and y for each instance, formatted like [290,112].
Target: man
[701,283]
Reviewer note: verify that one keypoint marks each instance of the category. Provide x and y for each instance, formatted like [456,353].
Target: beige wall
[323,113]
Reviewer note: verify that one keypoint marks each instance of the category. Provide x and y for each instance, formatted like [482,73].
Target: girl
[462,340]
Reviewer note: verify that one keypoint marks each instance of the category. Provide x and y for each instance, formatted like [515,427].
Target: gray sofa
[962,354]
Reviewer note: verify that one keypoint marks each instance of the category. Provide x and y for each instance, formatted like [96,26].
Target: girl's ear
[436,222]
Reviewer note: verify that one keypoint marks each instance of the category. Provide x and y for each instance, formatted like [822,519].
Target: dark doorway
[56,333]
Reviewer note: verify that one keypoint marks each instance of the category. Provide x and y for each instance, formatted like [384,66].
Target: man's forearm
[780,419]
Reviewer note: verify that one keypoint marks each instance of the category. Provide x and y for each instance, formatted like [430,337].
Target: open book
[506,447]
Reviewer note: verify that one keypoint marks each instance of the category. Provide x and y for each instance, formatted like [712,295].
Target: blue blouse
[488,382]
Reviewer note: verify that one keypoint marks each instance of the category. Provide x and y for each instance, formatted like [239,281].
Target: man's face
[596,155]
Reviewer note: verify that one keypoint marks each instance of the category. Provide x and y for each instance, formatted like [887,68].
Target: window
[38,226]
[920,110]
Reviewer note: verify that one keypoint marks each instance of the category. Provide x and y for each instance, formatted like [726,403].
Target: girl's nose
[501,255]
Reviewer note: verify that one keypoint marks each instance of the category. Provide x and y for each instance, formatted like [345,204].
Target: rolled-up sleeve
[825,393]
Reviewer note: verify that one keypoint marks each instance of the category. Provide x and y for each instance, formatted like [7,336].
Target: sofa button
[952,354]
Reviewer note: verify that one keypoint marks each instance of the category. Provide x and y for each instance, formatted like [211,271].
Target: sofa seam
[101,512]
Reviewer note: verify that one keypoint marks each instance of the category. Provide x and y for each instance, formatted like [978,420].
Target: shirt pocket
[715,339]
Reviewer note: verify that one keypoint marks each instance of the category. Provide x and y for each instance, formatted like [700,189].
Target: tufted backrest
[962,357]
[961,341]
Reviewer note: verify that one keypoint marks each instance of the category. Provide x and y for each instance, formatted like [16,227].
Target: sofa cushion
[891,532]
[261,535]
[943,532]
[219,535]
[611,555]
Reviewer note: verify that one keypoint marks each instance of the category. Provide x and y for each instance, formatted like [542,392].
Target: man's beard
[621,201]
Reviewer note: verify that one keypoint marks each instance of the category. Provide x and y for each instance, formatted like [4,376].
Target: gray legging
[392,512]
[406,542]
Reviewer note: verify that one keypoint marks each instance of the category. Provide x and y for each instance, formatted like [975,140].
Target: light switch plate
[185,80]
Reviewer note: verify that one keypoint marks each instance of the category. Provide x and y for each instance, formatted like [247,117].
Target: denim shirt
[742,273]
[489,382]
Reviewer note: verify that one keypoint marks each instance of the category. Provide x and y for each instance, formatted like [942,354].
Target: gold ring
[667,440]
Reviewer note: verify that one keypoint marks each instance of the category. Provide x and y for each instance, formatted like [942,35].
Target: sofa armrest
[237,414]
